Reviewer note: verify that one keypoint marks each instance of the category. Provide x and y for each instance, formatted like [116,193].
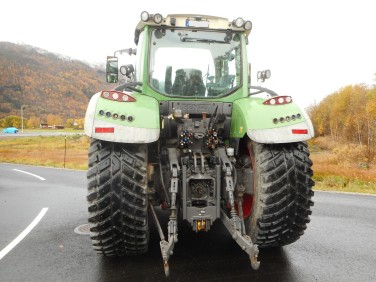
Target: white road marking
[23,234]
[32,174]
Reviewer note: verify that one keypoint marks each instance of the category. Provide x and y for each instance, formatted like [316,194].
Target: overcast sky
[313,48]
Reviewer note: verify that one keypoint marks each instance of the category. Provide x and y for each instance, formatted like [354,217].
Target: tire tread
[117,200]
[285,193]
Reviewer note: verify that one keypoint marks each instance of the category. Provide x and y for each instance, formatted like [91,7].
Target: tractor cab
[189,56]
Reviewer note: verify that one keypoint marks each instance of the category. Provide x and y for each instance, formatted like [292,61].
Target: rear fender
[140,126]
[250,116]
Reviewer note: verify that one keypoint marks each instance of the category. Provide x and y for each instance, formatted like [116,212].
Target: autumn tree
[54,120]
[69,123]
[370,111]
[33,122]
[80,123]
[348,115]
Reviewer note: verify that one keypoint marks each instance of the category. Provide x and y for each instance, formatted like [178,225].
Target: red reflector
[104,130]
[300,131]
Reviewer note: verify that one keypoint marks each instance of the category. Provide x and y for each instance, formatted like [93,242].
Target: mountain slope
[45,82]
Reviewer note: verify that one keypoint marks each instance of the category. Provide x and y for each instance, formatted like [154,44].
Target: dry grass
[341,167]
[337,167]
[53,151]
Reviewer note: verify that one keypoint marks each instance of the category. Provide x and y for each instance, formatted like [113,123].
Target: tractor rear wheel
[282,193]
[117,198]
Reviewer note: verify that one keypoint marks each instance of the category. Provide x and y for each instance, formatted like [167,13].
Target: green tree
[12,121]
[69,123]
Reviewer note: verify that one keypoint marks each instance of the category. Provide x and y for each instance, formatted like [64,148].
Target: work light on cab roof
[198,21]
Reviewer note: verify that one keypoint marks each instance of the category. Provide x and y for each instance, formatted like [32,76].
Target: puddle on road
[83,229]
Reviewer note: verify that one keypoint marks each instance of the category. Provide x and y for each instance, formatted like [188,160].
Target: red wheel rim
[248,198]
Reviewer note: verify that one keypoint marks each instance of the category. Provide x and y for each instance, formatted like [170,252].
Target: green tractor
[185,130]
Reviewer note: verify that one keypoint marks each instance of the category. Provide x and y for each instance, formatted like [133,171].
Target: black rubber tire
[117,198]
[282,193]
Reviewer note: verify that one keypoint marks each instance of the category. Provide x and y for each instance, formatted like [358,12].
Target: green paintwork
[145,111]
[250,113]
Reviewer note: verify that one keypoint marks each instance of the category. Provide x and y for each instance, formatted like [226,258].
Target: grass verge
[53,151]
[331,172]
[338,170]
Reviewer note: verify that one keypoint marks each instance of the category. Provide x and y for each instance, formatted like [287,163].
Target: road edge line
[29,173]
[23,234]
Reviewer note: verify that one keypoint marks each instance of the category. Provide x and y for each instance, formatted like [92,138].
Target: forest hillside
[47,83]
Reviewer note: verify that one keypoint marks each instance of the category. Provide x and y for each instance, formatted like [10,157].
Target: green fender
[141,123]
[270,123]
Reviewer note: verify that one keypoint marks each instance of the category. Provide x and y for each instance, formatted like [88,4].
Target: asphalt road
[339,244]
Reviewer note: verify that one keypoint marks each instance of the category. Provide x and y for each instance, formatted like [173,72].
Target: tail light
[280,100]
[117,96]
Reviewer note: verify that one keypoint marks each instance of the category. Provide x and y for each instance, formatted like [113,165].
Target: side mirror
[112,71]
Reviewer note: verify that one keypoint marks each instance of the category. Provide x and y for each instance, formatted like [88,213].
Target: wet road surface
[339,244]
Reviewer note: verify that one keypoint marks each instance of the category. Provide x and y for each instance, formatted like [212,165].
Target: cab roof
[194,21]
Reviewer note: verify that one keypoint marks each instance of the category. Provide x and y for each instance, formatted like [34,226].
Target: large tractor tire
[117,198]
[282,193]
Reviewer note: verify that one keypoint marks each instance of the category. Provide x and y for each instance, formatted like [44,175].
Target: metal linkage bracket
[244,241]
[167,247]
[235,224]
[229,182]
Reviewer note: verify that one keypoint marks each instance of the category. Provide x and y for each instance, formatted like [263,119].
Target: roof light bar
[157,18]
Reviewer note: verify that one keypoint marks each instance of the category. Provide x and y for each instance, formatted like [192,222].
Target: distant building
[45,125]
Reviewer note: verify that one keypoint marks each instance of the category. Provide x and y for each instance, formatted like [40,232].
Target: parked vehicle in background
[10,130]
